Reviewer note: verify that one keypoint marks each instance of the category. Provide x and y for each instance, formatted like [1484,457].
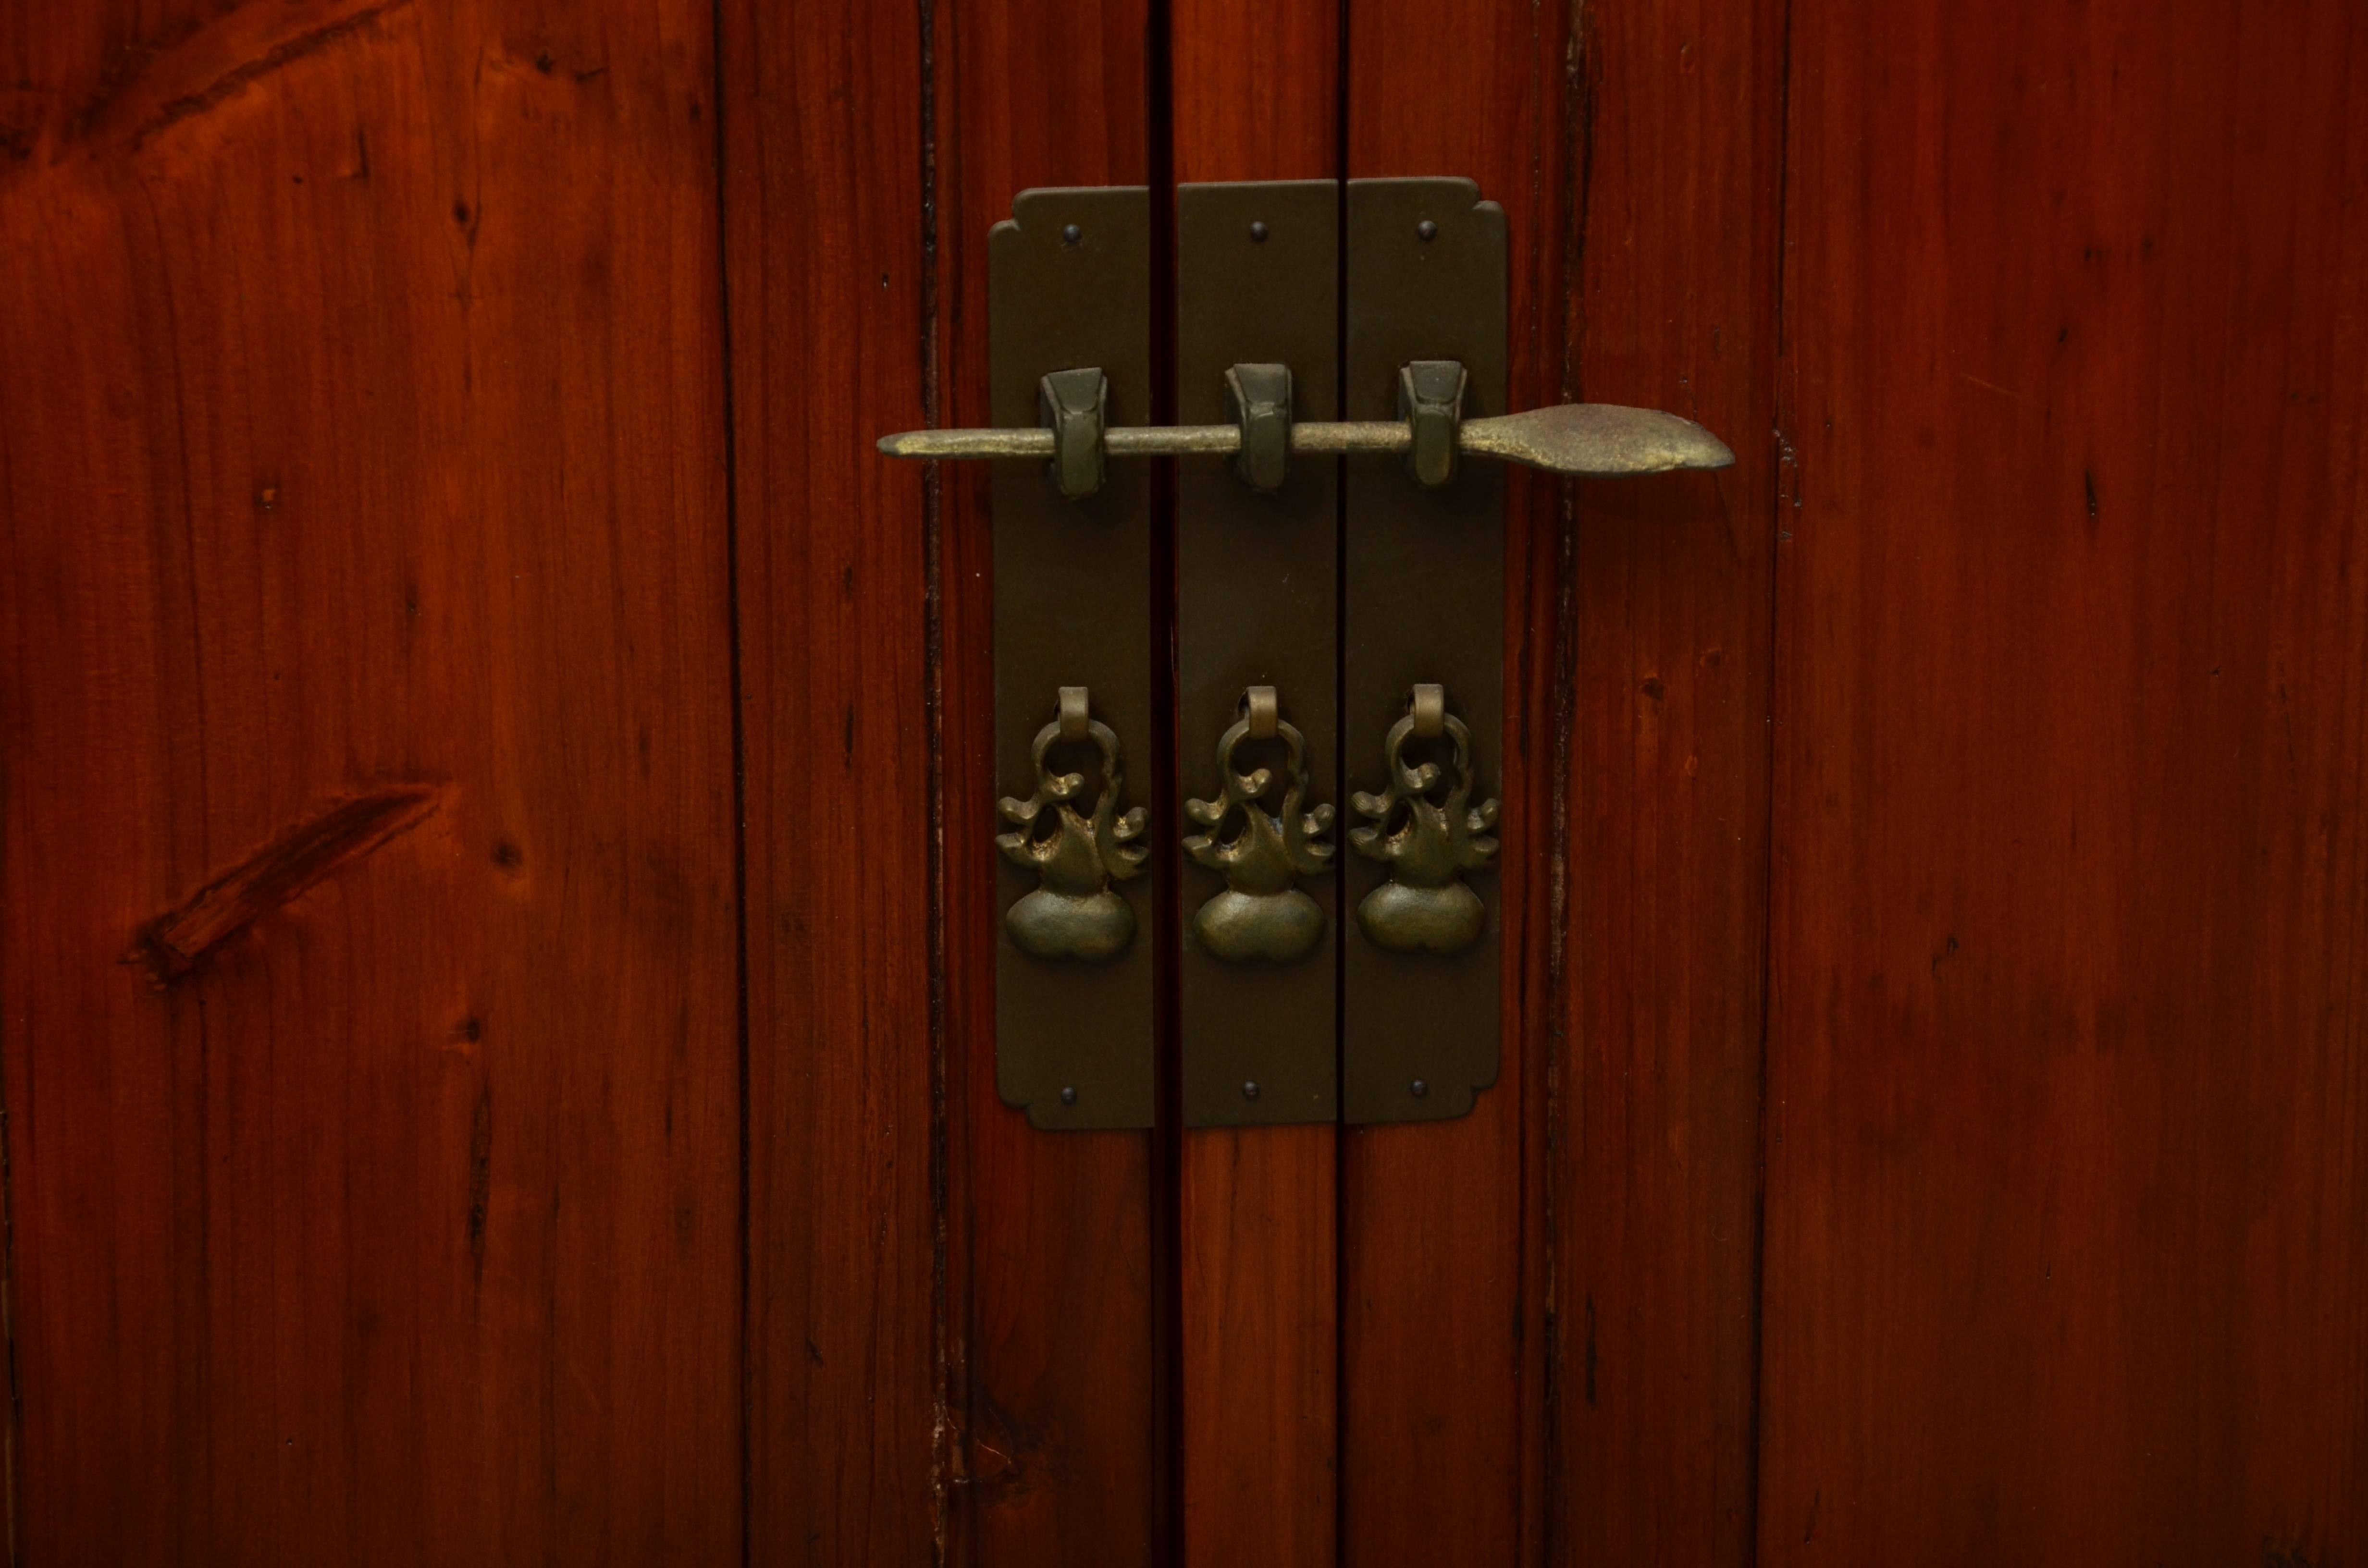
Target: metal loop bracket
[1258,397]
[1076,713]
[1428,711]
[1431,400]
[1077,411]
[1258,712]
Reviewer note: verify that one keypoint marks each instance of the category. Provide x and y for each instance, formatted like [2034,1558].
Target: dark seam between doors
[735,692]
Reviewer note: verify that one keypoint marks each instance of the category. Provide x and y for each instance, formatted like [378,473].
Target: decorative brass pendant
[1425,906]
[1073,912]
[1262,913]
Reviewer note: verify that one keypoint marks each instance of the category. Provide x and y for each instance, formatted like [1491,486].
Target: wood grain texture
[361,426]
[1259,1338]
[1255,98]
[1055,1385]
[1256,89]
[1676,121]
[283,871]
[828,292]
[1442,1235]
[2068,1187]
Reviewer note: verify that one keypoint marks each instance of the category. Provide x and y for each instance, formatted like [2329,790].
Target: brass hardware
[1258,644]
[1425,628]
[1431,400]
[1261,914]
[1069,285]
[1604,440]
[1287,1012]
[1599,440]
[1427,844]
[1258,397]
[1076,405]
[1073,913]
[1427,709]
[1262,712]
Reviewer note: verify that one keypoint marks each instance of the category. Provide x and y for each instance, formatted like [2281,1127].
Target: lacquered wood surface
[2065,1199]
[1255,96]
[830,297]
[1443,1291]
[360,429]
[1060,1443]
[1654,1167]
[496,1004]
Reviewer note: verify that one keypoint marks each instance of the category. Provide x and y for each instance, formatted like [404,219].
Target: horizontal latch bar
[1590,438]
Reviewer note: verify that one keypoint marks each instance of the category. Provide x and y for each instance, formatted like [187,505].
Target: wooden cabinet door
[497,1011]
[370,938]
[1529,1331]
[2065,1196]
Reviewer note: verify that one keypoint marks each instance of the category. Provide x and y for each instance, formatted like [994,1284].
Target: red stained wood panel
[2066,1183]
[1595,1210]
[1255,98]
[1059,1447]
[1256,89]
[830,295]
[1441,1249]
[1260,1356]
[1675,123]
[360,443]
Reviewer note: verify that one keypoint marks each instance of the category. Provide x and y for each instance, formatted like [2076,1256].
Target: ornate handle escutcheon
[1262,913]
[1073,913]
[1425,906]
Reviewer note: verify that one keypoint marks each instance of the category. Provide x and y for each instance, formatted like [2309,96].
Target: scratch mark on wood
[173,944]
[231,83]
[1992,386]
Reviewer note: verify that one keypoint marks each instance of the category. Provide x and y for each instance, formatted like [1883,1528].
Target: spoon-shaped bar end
[1600,439]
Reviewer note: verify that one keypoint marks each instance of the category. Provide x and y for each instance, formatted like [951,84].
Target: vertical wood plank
[828,287]
[2067,1185]
[1636,163]
[1676,116]
[1053,1382]
[1255,98]
[360,440]
[1442,1256]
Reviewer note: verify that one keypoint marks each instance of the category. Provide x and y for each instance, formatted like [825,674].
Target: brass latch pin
[1599,440]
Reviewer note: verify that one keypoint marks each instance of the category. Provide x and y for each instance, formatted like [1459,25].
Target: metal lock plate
[1069,289]
[1257,549]
[1424,644]
[1312,663]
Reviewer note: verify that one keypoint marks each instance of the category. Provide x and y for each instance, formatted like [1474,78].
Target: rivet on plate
[1420,1088]
[1426,230]
[1257,232]
[1068,1093]
[1071,234]
[1249,1090]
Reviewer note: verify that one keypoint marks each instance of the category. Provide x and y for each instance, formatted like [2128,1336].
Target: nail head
[1071,234]
[1426,230]
[1257,232]
[1250,1090]
[1068,1093]
[1420,1088]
